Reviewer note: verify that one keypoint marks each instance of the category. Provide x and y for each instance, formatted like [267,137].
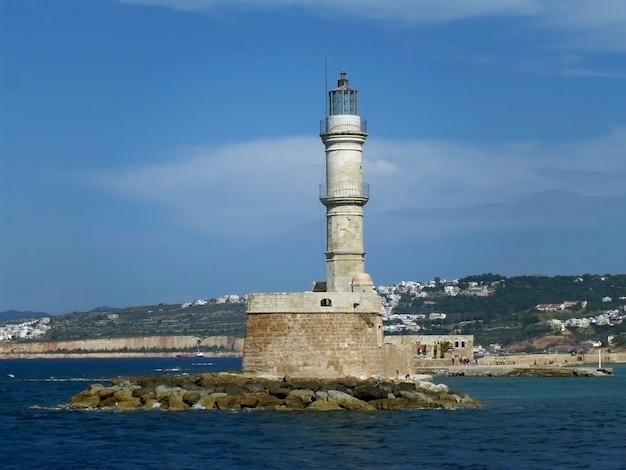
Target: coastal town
[562,316]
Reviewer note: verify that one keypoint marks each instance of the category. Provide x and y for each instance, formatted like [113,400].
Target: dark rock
[323,405]
[403,386]
[229,402]
[144,392]
[305,396]
[347,401]
[371,392]
[129,403]
[281,392]
[269,401]
[248,400]
[192,397]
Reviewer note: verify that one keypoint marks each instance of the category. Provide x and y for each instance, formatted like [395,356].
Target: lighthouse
[334,330]
[344,194]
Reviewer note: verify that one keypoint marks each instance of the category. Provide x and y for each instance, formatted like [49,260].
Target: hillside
[213,319]
[520,312]
[16,315]
[493,308]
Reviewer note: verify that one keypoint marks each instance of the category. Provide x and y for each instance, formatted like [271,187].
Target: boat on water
[191,354]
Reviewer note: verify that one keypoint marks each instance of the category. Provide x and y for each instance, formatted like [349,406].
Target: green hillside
[154,320]
[494,308]
[508,313]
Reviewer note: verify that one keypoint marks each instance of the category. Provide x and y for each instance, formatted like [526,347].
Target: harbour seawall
[526,365]
[124,347]
[531,360]
[516,371]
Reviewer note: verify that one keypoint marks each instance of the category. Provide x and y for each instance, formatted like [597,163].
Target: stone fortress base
[314,334]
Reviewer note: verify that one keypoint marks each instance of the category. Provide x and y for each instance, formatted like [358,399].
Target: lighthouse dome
[362,282]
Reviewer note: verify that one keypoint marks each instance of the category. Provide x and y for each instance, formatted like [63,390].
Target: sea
[525,423]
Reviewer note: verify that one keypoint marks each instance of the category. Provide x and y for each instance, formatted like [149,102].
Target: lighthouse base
[314,334]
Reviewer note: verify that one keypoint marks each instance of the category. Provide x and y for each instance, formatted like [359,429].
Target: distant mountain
[12,315]
[104,308]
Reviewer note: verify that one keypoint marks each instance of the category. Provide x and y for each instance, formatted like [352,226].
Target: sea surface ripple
[526,423]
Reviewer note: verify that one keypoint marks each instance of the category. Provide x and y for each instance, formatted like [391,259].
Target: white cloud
[571,65]
[588,25]
[583,24]
[268,188]
[405,10]
[242,189]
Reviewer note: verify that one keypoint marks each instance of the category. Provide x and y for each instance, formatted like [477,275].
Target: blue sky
[167,150]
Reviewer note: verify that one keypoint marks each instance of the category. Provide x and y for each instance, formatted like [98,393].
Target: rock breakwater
[515,371]
[230,391]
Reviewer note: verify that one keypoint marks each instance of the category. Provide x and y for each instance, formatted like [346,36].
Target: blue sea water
[526,423]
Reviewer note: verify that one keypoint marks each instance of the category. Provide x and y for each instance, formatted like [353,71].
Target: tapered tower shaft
[344,194]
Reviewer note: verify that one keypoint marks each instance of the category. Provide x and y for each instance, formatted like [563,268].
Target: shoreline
[516,371]
[112,355]
[485,370]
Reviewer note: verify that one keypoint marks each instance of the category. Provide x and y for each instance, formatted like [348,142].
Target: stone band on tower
[344,194]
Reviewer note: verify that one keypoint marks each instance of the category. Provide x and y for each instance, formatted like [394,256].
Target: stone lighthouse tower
[334,330]
[344,194]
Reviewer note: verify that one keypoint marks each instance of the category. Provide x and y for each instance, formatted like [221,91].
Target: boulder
[294,402]
[268,401]
[207,402]
[248,400]
[85,399]
[370,392]
[415,395]
[176,401]
[392,404]
[130,403]
[228,402]
[150,403]
[306,395]
[280,392]
[347,401]
[191,397]
[123,394]
[324,405]
[108,402]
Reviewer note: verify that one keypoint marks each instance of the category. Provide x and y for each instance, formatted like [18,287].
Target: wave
[67,379]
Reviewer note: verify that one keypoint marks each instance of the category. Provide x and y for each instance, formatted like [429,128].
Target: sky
[168,150]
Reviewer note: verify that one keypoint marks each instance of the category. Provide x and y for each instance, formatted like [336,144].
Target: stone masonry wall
[313,344]
[462,345]
[314,334]
[399,359]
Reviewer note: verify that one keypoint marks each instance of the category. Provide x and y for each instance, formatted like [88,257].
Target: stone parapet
[314,302]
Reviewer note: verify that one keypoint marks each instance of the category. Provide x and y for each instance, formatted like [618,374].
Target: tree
[443,347]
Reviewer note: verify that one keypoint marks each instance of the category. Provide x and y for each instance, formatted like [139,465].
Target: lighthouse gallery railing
[360,190]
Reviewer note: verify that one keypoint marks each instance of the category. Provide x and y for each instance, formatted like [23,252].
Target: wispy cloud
[404,10]
[239,190]
[598,25]
[267,188]
[582,24]
[572,65]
